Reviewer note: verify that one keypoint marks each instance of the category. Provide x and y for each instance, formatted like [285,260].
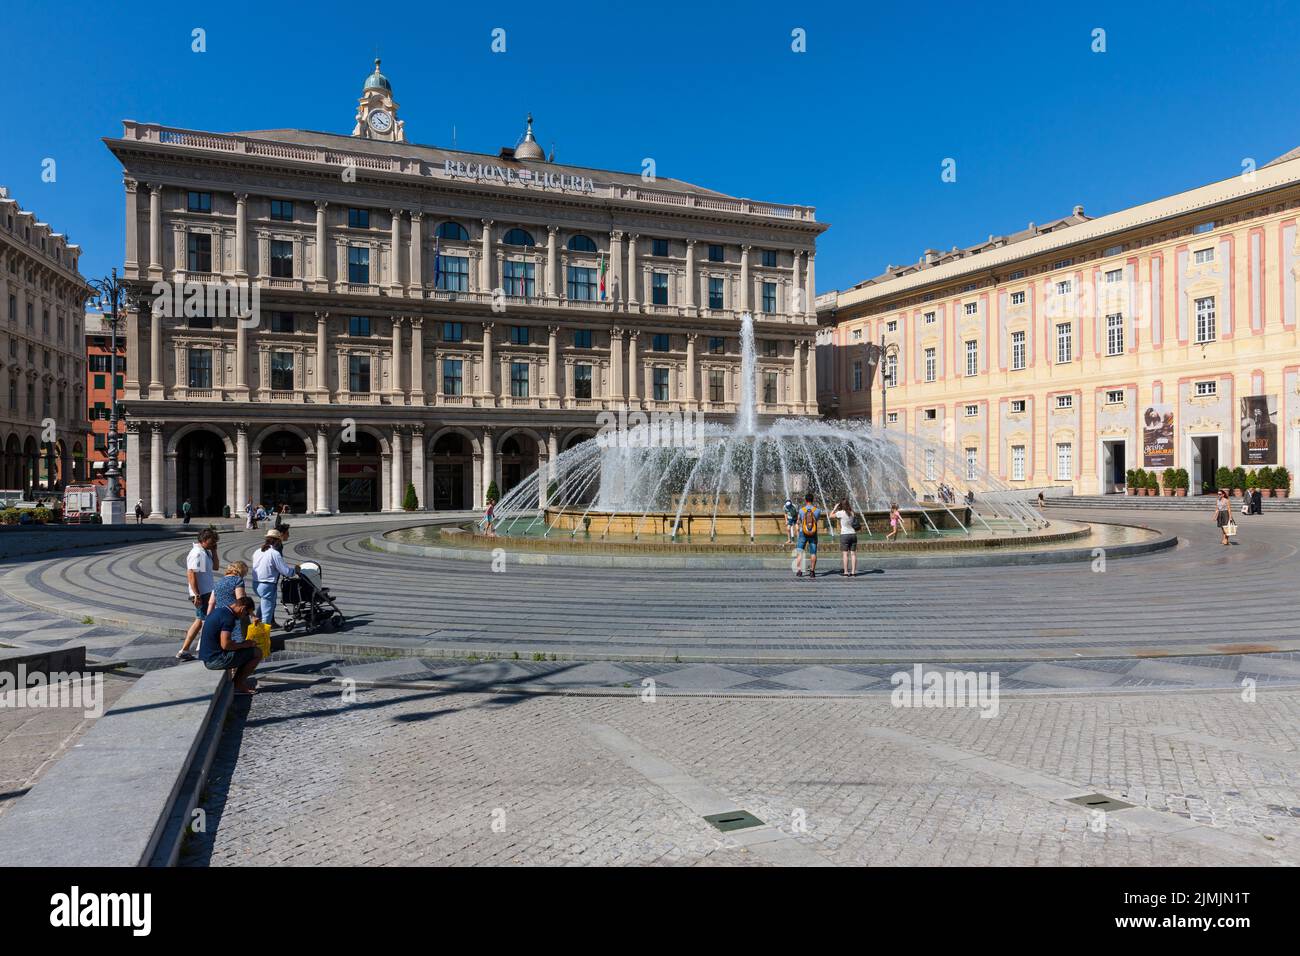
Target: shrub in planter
[1223,479]
[409,501]
[1153,484]
[9,516]
[1184,481]
[492,493]
[1282,480]
[1264,481]
[41,515]
[1239,478]
[1252,480]
[1130,481]
[1169,480]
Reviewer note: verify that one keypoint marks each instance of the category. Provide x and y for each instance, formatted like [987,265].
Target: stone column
[552,452]
[417,364]
[553,365]
[332,492]
[616,364]
[614,284]
[155,357]
[399,486]
[746,293]
[322,470]
[241,463]
[633,369]
[134,466]
[255,477]
[798,373]
[810,369]
[552,262]
[489,461]
[692,283]
[417,466]
[485,266]
[241,236]
[395,258]
[132,262]
[796,300]
[156,471]
[690,369]
[322,358]
[322,265]
[169,493]
[133,353]
[155,231]
[395,367]
[415,281]
[241,359]
[810,300]
[488,393]
[631,271]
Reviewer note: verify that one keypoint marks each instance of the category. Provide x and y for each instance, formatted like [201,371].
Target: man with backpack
[809,518]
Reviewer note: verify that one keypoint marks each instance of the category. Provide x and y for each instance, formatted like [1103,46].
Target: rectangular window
[659,247]
[1113,251]
[1017,350]
[1114,276]
[769,296]
[519,379]
[891,371]
[771,348]
[358,218]
[660,343]
[200,368]
[453,332]
[1204,227]
[769,258]
[359,325]
[660,381]
[769,388]
[199,202]
[282,322]
[716,292]
[972,464]
[100,381]
[1064,287]
[857,335]
[929,318]
[452,381]
[1204,389]
[931,365]
[1018,298]
[717,388]
[972,308]
[717,345]
[518,278]
[453,273]
[1064,343]
[13,310]
[1115,334]
[358,265]
[282,371]
[1115,396]
[1065,401]
[1018,406]
[659,288]
[281,259]
[282,210]
[358,373]
[1064,456]
[931,414]
[518,335]
[1202,256]
[1205,324]
[972,411]
[1016,276]
[857,376]
[98,363]
[893,418]
[582,338]
[582,283]
[582,381]
[891,325]
[972,358]
[716,253]
[1062,263]
[1017,462]
[198,252]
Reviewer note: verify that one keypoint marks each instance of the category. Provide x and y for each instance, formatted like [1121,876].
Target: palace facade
[427,316]
[42,356]
[1071,352]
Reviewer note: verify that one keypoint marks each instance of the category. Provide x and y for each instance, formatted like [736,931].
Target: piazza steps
[1201,503]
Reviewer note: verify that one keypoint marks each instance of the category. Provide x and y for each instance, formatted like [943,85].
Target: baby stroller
[308,602]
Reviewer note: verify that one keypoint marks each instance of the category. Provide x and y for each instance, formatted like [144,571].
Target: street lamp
[877,356]
[113,296]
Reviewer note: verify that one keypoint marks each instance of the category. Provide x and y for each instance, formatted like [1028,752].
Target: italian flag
[602,276]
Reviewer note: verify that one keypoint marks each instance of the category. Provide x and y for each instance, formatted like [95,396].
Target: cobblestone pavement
[418,776]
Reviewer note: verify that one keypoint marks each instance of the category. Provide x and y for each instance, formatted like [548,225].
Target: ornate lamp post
[113,296]
[877,356]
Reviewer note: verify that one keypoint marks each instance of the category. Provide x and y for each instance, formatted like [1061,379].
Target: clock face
[380,121]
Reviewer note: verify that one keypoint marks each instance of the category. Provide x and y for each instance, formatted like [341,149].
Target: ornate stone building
[42,355]
[429,316]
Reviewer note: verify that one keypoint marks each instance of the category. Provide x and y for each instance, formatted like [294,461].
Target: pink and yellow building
[1163,335]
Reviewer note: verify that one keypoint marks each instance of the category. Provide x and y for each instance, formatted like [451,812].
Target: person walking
[849,525]
[791,519]
[268,567]
[489,517]
[1223,515]
[199,581]
[186,508]
[809,517]
[139,511]
[250,510]
[895,522]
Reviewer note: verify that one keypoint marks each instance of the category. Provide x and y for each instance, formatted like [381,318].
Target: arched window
[519,237]
[452,230]
[581,243]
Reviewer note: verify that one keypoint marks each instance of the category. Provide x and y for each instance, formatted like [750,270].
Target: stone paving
[410,776]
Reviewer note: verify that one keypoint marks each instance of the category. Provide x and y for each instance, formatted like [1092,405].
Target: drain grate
[734,820]
[1098,801]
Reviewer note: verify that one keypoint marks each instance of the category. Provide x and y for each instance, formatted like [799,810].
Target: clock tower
[377,111]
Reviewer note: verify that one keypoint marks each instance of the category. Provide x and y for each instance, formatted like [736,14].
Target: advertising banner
[1259,430]
[1158,437]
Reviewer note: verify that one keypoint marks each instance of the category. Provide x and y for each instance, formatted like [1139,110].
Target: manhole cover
[1097,801]
[734,820]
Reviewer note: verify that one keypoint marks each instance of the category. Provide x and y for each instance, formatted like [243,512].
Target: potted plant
[1264,481]
[409,500]
[1223,479]
[1153,484]
[1130,482]
[1169,479]
[1238,481]
[1282,481]
[1180,489]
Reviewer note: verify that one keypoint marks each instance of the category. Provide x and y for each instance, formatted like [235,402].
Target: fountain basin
[696,525]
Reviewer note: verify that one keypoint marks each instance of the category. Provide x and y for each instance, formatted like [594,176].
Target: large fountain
[674,478]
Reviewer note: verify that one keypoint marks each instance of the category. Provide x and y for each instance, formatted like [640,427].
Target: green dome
[377,81]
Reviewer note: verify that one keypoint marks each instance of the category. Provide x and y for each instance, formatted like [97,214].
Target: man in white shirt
[199,580]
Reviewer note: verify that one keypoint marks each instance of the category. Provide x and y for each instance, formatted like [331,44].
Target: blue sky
[858,126]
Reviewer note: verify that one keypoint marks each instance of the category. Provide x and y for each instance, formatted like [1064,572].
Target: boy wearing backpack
[791,519]
[809,517]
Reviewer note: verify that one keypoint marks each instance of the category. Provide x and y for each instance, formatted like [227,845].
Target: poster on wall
[1158,437]
[1259,430]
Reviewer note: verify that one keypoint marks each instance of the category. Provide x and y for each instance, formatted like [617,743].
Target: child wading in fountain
[850,524]
[895,522]
[791,518]
[809,516]
[489,518]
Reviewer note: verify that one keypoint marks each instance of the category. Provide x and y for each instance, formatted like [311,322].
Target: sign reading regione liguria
[486,172]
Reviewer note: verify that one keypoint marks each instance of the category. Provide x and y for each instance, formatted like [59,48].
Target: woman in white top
[848,538]
[268,567]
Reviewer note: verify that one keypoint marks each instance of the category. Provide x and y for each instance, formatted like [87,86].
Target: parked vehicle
[81,504]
